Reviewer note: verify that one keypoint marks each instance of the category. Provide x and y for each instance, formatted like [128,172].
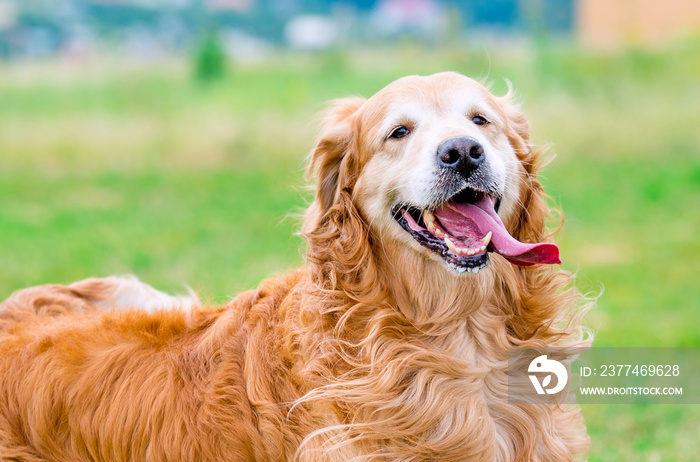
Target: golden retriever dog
[427,259]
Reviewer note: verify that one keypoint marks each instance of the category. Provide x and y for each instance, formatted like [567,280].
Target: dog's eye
[479,120]
[399,132]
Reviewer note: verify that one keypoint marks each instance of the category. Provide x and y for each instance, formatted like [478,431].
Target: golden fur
[373,350]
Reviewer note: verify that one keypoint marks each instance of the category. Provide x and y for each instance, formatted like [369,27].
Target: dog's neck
[454,309]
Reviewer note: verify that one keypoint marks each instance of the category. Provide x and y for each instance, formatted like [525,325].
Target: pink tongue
[459,218]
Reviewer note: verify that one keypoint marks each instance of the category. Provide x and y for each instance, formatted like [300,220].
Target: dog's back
[84,378]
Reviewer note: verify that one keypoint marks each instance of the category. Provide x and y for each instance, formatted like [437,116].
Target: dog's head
[436,165]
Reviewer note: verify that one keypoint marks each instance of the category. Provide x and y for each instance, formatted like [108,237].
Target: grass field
[113,168]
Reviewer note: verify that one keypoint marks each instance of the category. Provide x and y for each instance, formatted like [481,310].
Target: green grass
[119,168]
[164,226]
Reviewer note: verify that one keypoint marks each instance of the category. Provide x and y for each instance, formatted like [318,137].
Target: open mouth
[465,228]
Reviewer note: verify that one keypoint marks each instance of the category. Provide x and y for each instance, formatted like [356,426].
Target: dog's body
[389,344]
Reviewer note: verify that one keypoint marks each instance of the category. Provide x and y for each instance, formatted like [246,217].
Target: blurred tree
[210,58]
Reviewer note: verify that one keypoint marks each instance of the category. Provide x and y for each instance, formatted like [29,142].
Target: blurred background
[166,138]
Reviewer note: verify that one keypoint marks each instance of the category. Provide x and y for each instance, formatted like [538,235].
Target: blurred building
[310,32]
[148,28]
[607,23]
[423,17]
[235,5]
[8,14]
[251,28]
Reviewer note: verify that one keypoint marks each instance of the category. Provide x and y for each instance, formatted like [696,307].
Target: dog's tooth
[438,232]
[429,218]
[486,239]
[450,245]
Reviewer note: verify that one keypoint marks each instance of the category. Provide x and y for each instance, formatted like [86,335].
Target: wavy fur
[368,352]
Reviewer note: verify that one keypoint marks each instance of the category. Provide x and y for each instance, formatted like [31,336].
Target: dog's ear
[518,128]
[333,160]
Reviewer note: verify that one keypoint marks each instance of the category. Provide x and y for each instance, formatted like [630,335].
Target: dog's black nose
[463,154]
